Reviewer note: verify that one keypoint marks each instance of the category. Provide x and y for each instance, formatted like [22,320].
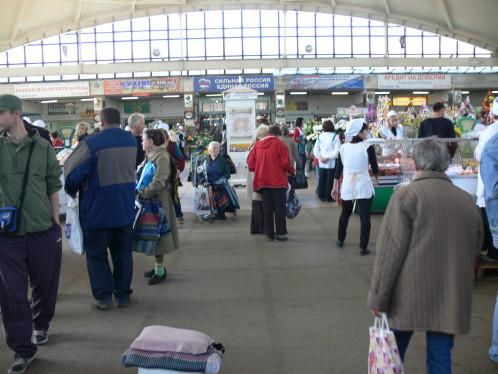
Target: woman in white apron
[353,166]
[392,130]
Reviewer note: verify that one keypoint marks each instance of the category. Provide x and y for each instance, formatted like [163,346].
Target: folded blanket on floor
[168,360]
[163,371]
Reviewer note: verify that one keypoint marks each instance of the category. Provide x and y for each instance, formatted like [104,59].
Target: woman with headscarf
[326,150]
[353,165]
[155,182]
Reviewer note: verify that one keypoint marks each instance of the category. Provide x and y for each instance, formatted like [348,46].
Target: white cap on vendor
[354,127]
[494,109]
[162,125]
[40,123]
[392,113]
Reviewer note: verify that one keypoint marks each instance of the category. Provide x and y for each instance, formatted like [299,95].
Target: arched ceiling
[24,21]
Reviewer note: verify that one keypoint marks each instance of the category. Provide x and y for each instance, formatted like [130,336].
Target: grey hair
[431,155]
[135,118]
[262,131]
[212,144]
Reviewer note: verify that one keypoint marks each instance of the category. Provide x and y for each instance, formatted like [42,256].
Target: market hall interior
[293,307]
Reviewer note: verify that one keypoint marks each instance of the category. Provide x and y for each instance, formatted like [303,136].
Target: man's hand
[335,193]
[324,160]
[376,312]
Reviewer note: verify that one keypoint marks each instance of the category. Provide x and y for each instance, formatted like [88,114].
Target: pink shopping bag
[383,357]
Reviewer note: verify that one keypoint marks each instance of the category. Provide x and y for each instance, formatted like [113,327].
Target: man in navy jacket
[102,170]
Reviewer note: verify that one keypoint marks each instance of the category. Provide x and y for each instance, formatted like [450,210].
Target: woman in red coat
[269,159]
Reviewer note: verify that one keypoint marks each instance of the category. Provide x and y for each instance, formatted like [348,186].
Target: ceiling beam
[77,14]
[20,12]
[387,7]
[446,14]
[246,64]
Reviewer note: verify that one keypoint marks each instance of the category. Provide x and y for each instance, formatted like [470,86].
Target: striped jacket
[102,170]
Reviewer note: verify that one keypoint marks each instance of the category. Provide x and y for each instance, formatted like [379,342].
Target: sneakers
[102,305]
[180,220]
[281,238]
[155,279]
[40,337]
[123,303]
[339,244]
[364,252]
[20,365]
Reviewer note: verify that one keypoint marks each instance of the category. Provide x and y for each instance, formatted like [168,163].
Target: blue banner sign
[262,83]
[325,82]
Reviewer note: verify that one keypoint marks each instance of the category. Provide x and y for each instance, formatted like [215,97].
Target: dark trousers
[103,281]
[33,258]
[274,211]
[365,207]
[438,346]
[303,162]
[487,245]
[178,209]
[325,183]
[257,218]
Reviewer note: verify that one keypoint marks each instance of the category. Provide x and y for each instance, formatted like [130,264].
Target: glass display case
[397,167]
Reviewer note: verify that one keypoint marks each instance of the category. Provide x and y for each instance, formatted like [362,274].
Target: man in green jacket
[30,254]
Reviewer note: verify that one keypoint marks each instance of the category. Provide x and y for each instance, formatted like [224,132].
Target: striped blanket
[168,360]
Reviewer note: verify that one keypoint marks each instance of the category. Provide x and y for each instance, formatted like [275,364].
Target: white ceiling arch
[474,22]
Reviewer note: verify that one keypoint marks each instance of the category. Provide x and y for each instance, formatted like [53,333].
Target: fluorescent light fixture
[421,92]
[48,101]
[382,92]
[91,99]
[465,92]
[261,94]
[170,96]
[494,91]
[213,95]
[298,93]
[129,98]
[340,93]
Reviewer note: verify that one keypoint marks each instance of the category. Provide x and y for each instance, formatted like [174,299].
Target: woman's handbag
[74,234]
[383,355]
[292,204]
[300,182]
[151,223]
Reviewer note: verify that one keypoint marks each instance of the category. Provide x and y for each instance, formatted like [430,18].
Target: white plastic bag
[74,235]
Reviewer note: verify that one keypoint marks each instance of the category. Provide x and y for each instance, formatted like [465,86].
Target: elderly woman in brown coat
[160,186]
[426,250]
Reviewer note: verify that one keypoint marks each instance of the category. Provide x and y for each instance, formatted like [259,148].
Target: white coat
[386,133]
[356,181]
[327,146]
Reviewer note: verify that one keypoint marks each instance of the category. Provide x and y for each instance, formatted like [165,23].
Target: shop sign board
[414,81]
[57,109]
[141,87]
[409,100]
[325,82]
[48,90]
[262,83]
[136,106]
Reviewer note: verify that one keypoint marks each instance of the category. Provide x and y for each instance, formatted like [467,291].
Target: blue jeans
[439,346]
[493,351]
[103,281]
